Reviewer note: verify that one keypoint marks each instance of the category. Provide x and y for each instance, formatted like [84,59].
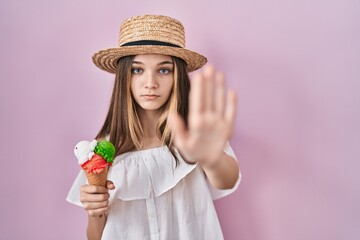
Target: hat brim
[107,59]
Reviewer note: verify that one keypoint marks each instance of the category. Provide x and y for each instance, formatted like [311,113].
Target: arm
[224,173]
[95,227]
[96,202]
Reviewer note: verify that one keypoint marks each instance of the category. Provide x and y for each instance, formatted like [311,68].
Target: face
[152,80]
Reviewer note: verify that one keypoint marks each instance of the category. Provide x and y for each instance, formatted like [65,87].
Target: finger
[98,212]
[93,189]
[209,76]
[95,205]
[196,99]
[219,93]
[178,129]
[86,197]
[110,185]
[230,111]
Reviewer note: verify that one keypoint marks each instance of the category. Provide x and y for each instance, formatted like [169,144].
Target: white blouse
[153,199]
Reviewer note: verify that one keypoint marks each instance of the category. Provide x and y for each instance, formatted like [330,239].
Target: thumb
[110,185]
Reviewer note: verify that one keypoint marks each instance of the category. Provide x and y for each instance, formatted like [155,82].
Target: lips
[150,96]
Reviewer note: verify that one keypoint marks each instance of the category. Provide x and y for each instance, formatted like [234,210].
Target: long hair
[122,123]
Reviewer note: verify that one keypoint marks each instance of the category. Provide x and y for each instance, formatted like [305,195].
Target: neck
[149,120]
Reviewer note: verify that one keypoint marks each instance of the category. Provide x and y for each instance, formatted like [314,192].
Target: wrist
[211,163]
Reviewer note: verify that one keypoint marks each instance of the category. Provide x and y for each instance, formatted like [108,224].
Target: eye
[136,70]
[164,71]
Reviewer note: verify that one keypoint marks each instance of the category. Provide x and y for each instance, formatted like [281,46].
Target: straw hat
[149,34]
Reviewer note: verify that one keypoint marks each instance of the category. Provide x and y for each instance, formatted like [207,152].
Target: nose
[150,81]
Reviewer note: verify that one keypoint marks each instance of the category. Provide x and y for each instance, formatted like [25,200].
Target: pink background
[294,64]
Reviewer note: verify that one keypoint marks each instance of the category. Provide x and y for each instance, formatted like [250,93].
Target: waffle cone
[97,179]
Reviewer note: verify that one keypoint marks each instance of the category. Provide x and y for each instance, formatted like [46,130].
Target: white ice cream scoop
[84,150]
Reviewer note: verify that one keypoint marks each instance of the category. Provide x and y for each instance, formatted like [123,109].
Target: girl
[172,150]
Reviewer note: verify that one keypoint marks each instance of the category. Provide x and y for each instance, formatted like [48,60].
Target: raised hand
[210,120]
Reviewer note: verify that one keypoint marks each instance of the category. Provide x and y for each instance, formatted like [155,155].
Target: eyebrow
[162,63]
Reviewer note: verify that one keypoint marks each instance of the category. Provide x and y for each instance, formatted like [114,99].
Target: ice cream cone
[97,179]
[95,159]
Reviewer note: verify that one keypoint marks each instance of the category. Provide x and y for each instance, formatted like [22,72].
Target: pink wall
[294,64]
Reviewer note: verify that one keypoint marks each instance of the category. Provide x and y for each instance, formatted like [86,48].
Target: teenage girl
[172,153]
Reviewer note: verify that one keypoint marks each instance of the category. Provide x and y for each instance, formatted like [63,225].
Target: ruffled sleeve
[74,193]
[138,175]
[146,173]
[219,193]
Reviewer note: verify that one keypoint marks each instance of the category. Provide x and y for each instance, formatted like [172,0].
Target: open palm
[210,120]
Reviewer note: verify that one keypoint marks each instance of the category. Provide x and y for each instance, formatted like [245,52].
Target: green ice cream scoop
[105,149]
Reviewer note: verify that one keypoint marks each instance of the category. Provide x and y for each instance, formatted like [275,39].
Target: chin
[150,108]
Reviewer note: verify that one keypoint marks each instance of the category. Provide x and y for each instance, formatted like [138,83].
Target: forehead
[152,58]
